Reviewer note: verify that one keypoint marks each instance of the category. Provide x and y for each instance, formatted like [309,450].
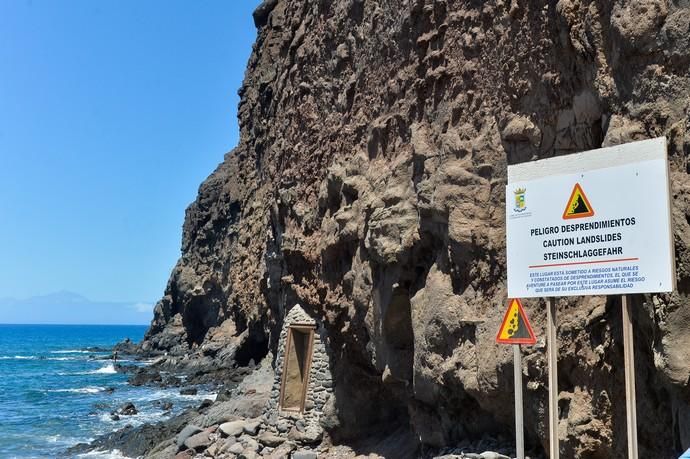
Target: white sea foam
[142,417]
[36,357]
[107,370]
[172,394]
[73,351]
[81,390]
[64,440]
[100,454]
[148,417]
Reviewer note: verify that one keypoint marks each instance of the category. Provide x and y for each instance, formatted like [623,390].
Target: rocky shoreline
[233,425]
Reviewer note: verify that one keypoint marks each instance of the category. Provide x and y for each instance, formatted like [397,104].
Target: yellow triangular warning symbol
[515,328]
[578,205]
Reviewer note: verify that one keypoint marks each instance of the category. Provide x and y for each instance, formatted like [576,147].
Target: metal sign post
[516,330]
[519,423]
[552,357]
[629,357]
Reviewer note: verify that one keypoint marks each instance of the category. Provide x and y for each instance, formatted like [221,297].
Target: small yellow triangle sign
[515,328]
[578,205]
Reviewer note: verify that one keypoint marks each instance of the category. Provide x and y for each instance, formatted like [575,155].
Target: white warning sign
[593,223]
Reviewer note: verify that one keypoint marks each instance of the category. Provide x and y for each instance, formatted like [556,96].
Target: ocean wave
[72,351]
[68,441]
[81,390]
[106,370]
[36,357]
[61,358]
[145,416]
[105,418]
[172,394]
[101,454]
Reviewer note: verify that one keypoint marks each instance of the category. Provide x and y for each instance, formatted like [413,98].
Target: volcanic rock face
[368,186]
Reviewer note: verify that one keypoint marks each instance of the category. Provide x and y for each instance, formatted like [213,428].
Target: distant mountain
[71,308]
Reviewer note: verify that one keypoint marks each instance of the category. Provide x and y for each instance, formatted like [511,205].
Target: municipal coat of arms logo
[520,202]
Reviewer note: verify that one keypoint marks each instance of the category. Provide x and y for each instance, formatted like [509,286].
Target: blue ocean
[56,388]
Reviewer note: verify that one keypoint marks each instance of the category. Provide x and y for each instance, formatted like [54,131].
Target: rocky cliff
[368,186]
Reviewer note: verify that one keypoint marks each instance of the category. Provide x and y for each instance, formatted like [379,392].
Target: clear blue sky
[111,115]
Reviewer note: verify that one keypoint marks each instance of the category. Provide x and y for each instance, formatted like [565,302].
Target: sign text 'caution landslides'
[594,223]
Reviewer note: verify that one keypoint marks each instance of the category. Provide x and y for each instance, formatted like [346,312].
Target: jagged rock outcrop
[368,186]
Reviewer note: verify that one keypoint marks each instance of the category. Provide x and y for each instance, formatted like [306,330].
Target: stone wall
[305,427]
